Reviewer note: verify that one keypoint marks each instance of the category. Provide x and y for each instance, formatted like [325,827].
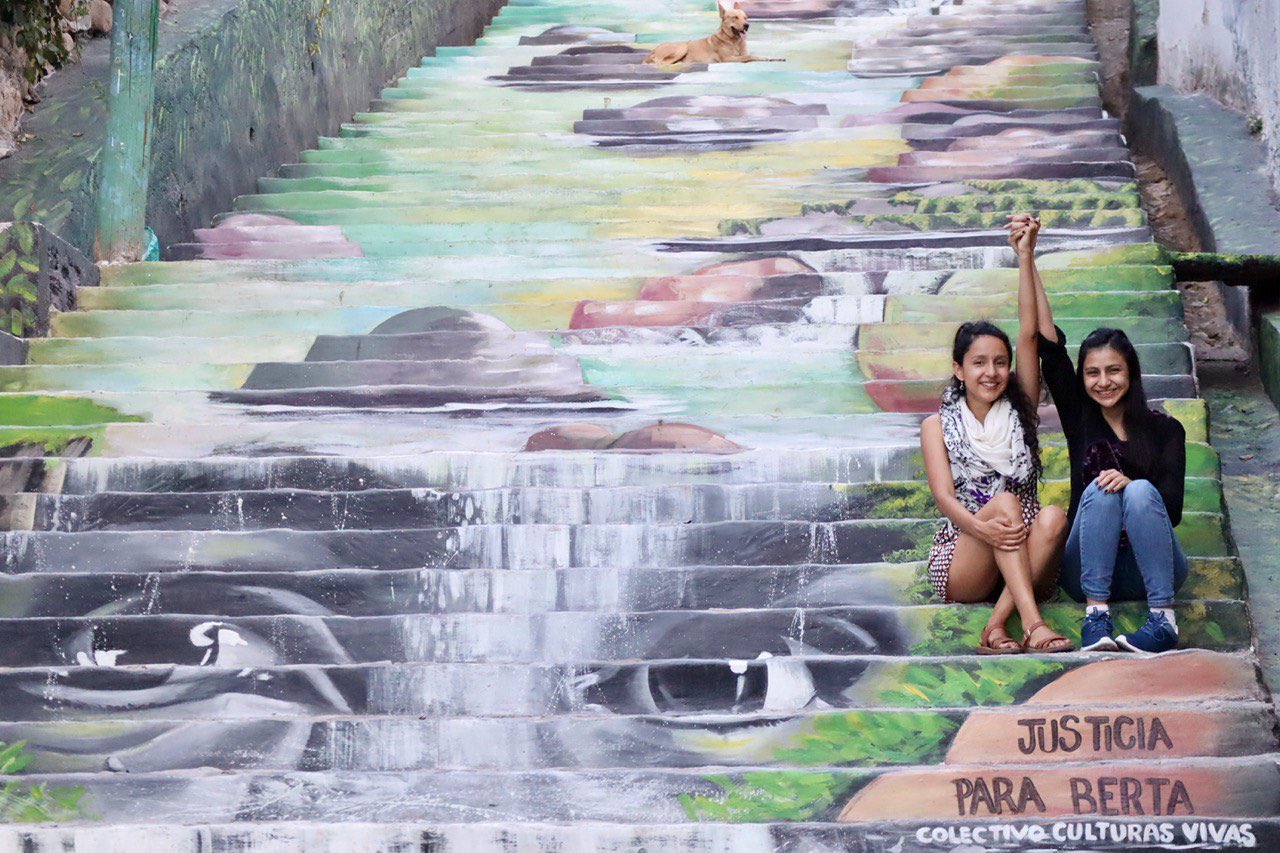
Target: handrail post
[126,154]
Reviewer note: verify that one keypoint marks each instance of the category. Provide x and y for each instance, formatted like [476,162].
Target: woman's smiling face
[985,370]
[1106,376]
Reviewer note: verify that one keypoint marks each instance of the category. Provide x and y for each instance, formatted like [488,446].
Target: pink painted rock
[733,281]
[262,235]
[580,436]
[1188,676]
[664,436]
[761,268]
[253,220]
[905,395]
[1029,137]
[596,315]
[1111,789]
[271,250]
[1055,735]
[980,157]
[902,114]
[701,288]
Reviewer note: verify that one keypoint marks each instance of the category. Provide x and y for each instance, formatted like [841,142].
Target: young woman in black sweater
[1128,464]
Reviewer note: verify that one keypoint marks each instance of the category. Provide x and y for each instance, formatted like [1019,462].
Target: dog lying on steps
[727,44]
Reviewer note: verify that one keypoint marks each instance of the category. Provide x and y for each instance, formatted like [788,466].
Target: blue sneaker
[1095,633]
[1156,636]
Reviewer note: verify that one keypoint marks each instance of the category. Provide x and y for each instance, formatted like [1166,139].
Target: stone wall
[241,86]
[1229,49]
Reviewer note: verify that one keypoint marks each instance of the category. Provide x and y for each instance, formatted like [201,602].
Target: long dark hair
[1138,417]
[1028,411]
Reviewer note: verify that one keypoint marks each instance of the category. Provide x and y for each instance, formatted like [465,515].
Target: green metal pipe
[126,154]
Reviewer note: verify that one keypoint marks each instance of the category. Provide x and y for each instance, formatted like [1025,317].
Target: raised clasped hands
[1023,230]
[1112,481]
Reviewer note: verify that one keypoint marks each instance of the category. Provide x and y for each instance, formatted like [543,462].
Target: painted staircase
[534,465]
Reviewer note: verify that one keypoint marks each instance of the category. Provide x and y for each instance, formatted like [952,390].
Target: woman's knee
[1140,496]
[1140,490]
[1052,519]
[1095,494]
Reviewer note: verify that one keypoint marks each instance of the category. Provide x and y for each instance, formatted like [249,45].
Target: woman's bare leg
[971,562]
[1044,546]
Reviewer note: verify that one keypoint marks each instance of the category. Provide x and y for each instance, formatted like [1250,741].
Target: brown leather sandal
[1052,645]
[1005,645]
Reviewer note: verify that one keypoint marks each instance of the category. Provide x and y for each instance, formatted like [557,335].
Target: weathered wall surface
[1229,49]
[241,86]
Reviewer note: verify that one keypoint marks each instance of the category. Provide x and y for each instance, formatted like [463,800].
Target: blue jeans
[1095,565]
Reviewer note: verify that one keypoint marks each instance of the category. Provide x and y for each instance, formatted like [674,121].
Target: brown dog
[727,44]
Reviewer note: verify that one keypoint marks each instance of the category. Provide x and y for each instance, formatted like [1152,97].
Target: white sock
[1097,608]
[1168,614]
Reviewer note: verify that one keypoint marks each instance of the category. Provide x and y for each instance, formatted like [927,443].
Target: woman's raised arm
[1023,230]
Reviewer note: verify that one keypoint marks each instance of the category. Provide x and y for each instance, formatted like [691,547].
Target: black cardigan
[1084,426]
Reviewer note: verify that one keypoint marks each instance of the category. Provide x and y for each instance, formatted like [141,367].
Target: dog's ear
[738,6]
[722,6]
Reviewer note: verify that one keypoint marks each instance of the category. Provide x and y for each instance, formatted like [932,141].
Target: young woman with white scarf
[981,456]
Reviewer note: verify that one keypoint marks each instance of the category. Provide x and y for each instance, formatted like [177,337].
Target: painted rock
[579,436]
[1050,735]
[1185,677]
[1171,789]
[665,436]
[594,315]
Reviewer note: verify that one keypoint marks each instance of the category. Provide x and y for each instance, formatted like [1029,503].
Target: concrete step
[676,688]
[706,835]
[372,509]
[1224,788]
[511,546]
[383,745]
[377,592]
[240,641]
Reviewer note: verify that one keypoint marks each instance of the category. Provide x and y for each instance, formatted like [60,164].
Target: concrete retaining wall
[1229,49]
[241,86]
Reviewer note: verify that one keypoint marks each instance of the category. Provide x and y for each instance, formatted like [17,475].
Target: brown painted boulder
[1147,733]
[1189,676]
[653,438]
[664,436]
[579,436]
[1217,788]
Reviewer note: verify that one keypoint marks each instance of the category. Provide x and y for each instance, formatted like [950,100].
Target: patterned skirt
[944,541]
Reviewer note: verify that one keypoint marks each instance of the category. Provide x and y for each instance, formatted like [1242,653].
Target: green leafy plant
[40,803]
[36,26]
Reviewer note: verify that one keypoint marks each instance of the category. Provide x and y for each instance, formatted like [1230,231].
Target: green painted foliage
[872,738]
[41,803]
[994,682]
[768,795]
[19,272]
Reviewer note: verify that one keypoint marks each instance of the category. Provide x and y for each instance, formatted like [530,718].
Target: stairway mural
[537,460]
